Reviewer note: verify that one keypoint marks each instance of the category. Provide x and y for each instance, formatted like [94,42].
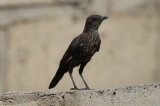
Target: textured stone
[131,95]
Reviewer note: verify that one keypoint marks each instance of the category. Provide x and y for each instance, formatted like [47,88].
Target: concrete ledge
[130,95]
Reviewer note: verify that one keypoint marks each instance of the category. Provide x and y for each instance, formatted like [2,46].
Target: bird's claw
[74,88]
[87,88]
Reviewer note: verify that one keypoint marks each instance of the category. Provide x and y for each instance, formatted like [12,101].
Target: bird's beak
[104,17]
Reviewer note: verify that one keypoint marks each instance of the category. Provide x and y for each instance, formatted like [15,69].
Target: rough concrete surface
[130,95]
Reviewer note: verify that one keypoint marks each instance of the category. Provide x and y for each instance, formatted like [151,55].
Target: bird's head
[94,21]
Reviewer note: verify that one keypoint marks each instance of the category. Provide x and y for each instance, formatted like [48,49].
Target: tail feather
[56,79]
[59,74]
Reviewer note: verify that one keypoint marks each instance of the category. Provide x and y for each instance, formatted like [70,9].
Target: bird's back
[83,47]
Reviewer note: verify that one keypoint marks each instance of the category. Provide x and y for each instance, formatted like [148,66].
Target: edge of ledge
[139,94]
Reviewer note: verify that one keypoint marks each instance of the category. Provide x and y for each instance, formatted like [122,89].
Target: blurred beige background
[35,34]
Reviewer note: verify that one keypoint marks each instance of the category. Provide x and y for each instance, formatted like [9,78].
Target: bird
[80,51]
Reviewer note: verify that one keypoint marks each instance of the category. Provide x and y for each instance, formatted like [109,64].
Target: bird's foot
[75,88]
[87,88]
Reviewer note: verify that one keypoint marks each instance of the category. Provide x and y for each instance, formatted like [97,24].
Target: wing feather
[75,47]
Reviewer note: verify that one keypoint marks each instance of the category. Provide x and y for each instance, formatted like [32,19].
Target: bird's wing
[98,45]
[75,47]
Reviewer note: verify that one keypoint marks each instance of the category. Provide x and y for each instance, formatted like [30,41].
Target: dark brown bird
[80,51]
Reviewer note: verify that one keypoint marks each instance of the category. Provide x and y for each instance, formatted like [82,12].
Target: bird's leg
[87,87]
[70,74]
[75,87]
[80,73]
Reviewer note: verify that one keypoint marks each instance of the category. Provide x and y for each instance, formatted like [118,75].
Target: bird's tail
[59,74]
